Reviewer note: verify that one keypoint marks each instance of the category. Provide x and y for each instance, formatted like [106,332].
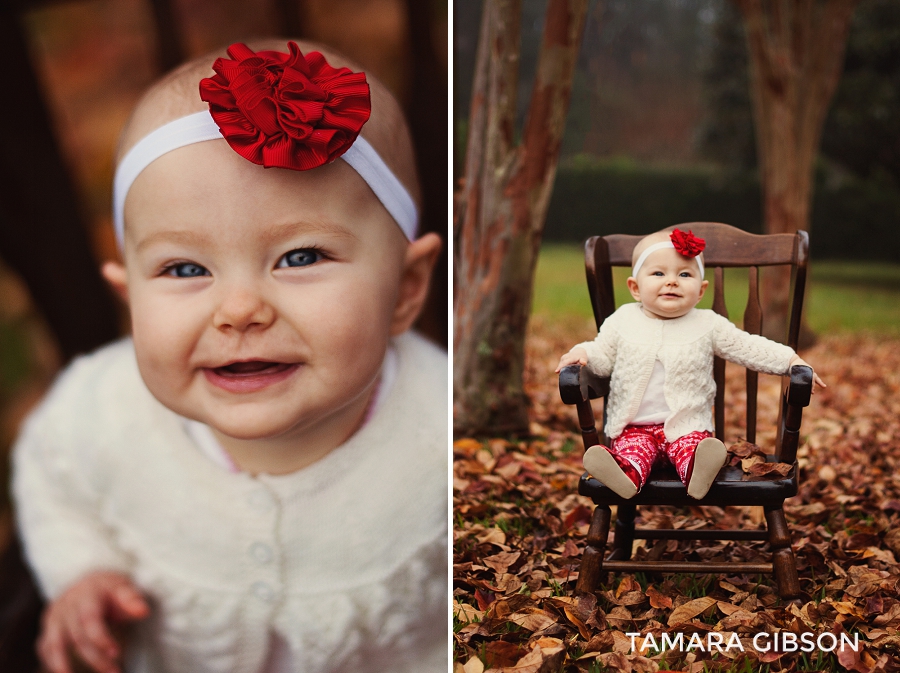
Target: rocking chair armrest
[800,388]
[580,384]
[796,396]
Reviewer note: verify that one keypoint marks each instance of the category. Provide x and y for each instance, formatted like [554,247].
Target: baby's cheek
[365,306]
[161,361]
[359,325]
[155,369]
[357,329]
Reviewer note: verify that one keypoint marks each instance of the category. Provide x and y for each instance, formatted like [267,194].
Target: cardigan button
[261,553]
[263,591]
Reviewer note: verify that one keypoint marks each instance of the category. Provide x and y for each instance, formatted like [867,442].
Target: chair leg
[623,540]
[592,561]
[783,562]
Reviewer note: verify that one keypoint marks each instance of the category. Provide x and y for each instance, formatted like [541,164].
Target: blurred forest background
[93,58]
[660,130]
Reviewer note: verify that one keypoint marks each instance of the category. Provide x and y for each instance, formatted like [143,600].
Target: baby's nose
[242,308]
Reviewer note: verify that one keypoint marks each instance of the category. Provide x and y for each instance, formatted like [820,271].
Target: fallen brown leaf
[763,469]
[533,619]
[658,600]
[691,609]
[501,562]
[544,657]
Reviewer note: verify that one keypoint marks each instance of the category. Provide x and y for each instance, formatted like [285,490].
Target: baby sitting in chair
[257,478]
[658,354]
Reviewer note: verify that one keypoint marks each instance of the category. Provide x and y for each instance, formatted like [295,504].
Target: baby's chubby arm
[79,620]
[755,352]
[70,547]
[598,355]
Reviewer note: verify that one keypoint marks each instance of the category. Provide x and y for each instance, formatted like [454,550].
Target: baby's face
[668,285]
[262,300]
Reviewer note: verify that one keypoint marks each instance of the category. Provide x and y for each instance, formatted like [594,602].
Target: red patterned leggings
[640,447]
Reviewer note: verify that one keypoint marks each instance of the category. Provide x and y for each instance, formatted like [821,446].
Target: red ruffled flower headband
[282,110]
[286,110]
[685,243]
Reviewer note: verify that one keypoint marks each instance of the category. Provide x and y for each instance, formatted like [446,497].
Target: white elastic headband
[653,248]
[199,127]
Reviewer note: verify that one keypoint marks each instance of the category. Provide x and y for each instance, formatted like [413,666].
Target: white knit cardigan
[630,342]
[345,561]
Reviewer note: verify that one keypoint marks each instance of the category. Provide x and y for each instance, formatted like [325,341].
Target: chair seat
[732,486]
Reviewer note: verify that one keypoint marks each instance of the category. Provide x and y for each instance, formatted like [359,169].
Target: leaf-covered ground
[520,528]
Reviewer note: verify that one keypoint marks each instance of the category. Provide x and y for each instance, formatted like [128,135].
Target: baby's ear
[418,263]
[117,277]
[703,286]
[633,288]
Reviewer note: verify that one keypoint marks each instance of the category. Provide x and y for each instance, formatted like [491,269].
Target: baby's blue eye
[187,270]
[300,257]
[685,274]
[657,273]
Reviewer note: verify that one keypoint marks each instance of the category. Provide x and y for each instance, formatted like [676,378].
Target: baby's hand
[575,356]
[78,620]
[816,380]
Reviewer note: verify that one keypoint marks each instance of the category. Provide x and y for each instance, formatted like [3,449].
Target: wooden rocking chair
[726,246]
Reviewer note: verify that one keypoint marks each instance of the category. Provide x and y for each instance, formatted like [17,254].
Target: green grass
[843,296]
[855,296]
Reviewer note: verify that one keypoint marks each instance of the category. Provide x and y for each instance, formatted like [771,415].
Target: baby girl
[256,479]
[658,354]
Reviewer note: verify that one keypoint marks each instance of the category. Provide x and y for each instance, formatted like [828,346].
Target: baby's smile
[249,375]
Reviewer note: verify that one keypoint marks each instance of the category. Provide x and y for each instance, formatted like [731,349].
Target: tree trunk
[42,235]
[501,211]
[796,52]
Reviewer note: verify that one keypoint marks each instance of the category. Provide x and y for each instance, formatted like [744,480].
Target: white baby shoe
[604,468]
[709,456]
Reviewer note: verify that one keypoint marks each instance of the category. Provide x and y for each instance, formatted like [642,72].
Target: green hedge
[851,218]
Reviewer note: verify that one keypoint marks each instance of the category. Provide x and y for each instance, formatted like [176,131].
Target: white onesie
[653,409]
